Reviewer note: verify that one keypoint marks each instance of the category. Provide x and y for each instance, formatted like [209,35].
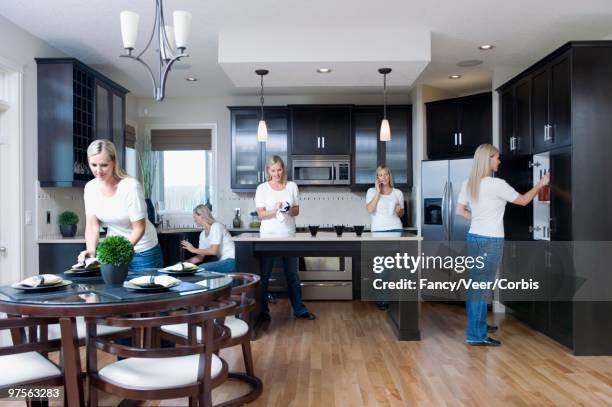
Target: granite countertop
[327,237]
[59,239]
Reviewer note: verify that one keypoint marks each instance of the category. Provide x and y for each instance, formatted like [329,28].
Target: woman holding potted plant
[117,200]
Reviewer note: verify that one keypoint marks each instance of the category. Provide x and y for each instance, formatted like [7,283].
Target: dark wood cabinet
[73,110]
[515,129]
[569,109]
[456,127]
[55,258]
[249,156]
[320,129]
[369,152]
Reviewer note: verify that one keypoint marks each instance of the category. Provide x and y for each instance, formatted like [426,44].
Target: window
[131,162]
[184,179]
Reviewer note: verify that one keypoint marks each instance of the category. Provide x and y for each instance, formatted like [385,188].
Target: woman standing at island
[215,240]
[486,197]
[384,203]
[277,205]
[117,200]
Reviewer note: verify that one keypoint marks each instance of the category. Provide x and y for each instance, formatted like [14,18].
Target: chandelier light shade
[129,28]
[385,129]
[171,42]
[262,128]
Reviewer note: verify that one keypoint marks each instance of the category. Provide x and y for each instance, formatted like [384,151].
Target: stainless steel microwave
[321,169]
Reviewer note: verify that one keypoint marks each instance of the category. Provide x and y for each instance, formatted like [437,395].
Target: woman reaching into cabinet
[277,205]
[215,240]
[486,197]
[117,200]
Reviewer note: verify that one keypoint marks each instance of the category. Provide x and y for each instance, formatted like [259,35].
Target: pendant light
[385,130]
[262,129]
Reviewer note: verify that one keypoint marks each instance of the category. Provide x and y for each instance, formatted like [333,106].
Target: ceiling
[522,31]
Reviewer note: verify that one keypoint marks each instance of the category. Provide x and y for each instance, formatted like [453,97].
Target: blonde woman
[117,200]
[215,240]
[277,205]
[384,203]
[483,201]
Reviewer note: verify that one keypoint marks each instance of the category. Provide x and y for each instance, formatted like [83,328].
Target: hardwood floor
[348,356]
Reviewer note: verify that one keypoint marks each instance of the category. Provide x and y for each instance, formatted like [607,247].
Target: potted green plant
[147,161]
[68,223]
[114,254]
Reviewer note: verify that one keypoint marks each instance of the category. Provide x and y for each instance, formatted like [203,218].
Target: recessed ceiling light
[469,62]
[486,47]
[191,79]
[454,76]
[324,70]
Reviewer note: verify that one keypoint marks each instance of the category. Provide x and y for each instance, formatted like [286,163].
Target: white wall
[214,110]
[21,47]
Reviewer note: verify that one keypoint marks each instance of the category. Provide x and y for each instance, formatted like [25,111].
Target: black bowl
[358,229]
[313,229]
[339,229]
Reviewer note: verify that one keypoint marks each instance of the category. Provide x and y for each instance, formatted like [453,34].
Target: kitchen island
[403,308]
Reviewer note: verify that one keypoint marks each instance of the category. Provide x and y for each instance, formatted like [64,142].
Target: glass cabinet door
[118,136]
[103,112]
[276,122]
[246,151]
[366,125]
[397,149]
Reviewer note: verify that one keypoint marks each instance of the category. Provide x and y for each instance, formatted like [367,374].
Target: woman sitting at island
[215,240]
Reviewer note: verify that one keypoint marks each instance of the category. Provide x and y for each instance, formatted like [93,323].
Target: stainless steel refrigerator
[444,232]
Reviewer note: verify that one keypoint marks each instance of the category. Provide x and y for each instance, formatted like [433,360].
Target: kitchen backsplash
[55,201]
[320,206]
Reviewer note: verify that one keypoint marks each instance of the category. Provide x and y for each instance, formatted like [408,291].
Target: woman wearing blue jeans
[483,200]
[215,240]
[116,200]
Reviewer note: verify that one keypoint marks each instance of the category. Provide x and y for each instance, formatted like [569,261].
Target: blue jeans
[491,250]
[149,259]
[290,267]
[221,266]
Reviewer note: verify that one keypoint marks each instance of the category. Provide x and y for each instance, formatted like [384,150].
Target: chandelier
[171,40]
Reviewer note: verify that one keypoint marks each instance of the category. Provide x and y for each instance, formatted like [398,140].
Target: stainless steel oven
[326,278]
[321,169]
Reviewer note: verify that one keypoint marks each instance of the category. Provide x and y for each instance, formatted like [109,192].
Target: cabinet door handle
[323,143]
[258,176]
[455,138]
[318,142]
[460,142]
[546,132]
[512,143]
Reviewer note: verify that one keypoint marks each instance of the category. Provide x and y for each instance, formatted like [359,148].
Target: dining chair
[149,372]
[241,333]
[21,364]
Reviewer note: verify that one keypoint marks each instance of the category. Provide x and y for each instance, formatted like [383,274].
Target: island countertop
[327,236]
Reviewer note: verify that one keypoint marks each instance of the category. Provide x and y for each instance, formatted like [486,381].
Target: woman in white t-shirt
[384,203]
[116,200]
[486,197]
[277,205]
[215,240]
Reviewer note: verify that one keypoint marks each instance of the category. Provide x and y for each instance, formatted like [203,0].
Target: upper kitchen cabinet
[516,119]
[551,97]
[456,127]
[369,152]
[249,156]
[320,129]
[76,105]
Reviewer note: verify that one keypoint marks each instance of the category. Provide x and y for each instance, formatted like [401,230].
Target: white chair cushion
[23,367]
[157,373]
[237,327]
[55,333]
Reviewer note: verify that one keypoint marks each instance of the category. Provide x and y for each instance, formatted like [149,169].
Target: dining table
[88,296]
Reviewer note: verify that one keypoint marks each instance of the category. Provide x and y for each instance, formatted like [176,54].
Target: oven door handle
[330,284]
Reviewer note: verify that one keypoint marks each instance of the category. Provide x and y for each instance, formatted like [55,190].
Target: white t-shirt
[266,197]
[384,217]
[118,212]
[218,234]
[488,210]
